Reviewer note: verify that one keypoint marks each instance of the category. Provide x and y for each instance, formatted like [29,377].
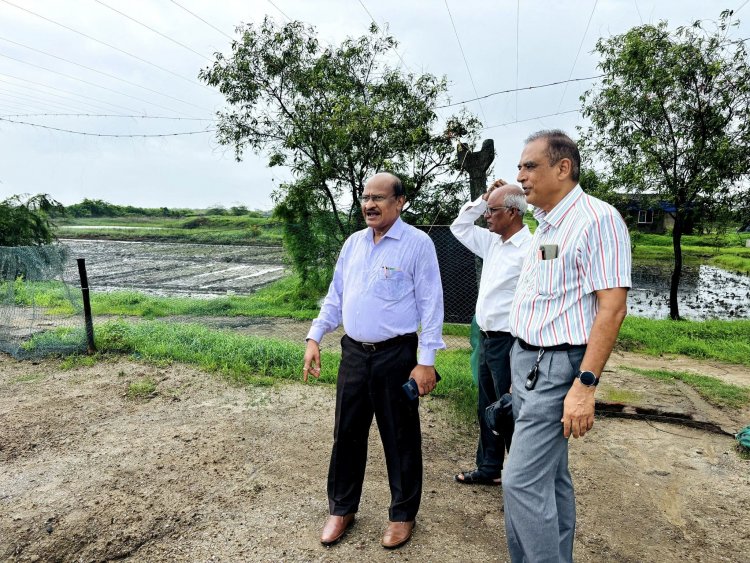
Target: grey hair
[517,201]
[559,146]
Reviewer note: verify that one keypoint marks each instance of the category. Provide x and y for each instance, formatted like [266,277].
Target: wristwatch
[588,378]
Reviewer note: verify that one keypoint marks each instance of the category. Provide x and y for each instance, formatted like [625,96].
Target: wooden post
[86,306]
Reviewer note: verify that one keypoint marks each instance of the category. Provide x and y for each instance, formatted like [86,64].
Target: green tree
[334,115]
[25,221]
[671,116]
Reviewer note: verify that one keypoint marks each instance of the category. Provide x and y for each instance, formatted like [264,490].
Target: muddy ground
[204,470]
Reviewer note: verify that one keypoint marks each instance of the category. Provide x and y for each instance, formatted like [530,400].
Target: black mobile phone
[412,390]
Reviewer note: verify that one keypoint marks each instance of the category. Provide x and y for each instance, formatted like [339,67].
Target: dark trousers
[494,381]
[370,383]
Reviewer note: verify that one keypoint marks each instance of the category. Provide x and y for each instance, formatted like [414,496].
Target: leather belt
[377,346]
[493,333]
[557,347]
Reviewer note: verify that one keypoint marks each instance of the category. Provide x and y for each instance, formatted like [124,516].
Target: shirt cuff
[426,357]
[316,334]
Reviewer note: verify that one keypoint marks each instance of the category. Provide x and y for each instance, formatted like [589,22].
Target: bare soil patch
[204,470]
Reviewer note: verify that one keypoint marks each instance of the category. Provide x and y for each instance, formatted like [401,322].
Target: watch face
[587,378]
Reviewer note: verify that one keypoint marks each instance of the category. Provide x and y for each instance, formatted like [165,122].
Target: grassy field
[726,251]
[200,229]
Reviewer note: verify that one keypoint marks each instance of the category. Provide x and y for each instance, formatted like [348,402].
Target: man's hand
[496,184]
[312,360]
[425,378]
[578,410]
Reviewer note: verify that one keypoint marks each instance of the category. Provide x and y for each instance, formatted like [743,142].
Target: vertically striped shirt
[555,301]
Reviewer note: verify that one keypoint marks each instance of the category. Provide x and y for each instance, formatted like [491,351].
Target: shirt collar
[518,238]
[395,232]
[559,211]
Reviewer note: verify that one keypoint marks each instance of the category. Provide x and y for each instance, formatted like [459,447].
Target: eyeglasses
[491,210]
[374,198]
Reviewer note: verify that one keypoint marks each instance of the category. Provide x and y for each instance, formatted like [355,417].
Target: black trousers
[369,383]
[494,381]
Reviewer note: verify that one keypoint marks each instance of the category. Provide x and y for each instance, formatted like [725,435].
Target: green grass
[199,229]
[616,395]
[734,259]
[726,341]
[141,389]
[279,299]
[712,389]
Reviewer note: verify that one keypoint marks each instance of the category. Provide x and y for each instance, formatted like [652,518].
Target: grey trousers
[540,512]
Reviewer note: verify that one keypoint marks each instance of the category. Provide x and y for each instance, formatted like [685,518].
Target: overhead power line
[111,135]
[104,115]
[591,16]
[201,19]
[535,87]
[159,33]
[136,57]
[89,83]
[108,75]
[530,119]
[54,89]
[403,62]
[463,55]
[279,10]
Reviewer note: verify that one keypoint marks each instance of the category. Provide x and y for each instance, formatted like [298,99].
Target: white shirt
[555,302]
[501,268]
[386,289]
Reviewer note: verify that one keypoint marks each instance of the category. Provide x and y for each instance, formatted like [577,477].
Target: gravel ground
[203,470]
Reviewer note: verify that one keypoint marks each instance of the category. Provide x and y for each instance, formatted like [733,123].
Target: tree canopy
[334,115]
[25,221]
[670,118]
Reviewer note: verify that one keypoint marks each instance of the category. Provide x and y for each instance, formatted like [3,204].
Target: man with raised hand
[569,305]
[502,246]
[386,284]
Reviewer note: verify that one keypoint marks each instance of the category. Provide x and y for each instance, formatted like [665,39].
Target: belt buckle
[369,346]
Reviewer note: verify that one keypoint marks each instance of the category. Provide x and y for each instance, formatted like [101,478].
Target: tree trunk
[674,312]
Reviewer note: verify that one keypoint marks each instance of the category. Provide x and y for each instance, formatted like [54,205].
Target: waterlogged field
[188,270]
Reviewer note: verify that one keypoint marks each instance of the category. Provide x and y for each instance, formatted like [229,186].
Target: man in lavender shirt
[386,284]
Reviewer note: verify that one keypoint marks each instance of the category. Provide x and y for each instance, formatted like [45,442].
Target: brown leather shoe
[397,534]
[335,527]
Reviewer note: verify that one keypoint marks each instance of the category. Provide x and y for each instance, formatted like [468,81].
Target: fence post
[86,305]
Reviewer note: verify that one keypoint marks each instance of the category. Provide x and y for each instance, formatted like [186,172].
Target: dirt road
[206,471]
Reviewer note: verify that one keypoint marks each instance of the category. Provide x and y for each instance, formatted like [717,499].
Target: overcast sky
[506,45]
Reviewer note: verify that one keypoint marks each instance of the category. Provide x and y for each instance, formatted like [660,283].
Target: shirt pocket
[550,276]
[390,284]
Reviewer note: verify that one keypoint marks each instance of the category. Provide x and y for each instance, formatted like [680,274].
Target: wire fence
[42,309]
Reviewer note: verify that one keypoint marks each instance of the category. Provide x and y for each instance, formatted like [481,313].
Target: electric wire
[108,75]
[159,33]
[637,9]
[70,77]
[201,19]
[136,57]
[110,135]
[105,115]
[463,55]
[36,100]
[54,89]
[572,68]
[279,10]
[530,119]
[535,87]
[403,62]
[518,42]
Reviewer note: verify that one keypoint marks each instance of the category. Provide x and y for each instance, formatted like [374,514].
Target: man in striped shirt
[569,304]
